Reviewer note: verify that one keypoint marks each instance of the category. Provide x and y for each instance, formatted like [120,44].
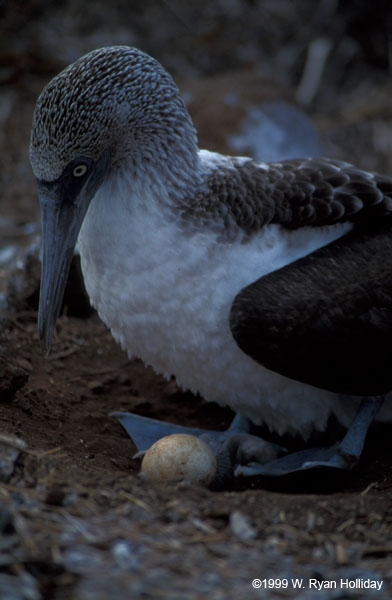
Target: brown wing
[326,319]
[293,193]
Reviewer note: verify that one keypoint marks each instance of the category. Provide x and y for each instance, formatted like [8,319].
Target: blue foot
[144,431]
[244,455]
[234,446]
[344,455]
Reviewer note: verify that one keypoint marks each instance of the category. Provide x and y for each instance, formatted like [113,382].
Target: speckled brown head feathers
[122,99]
[116,96]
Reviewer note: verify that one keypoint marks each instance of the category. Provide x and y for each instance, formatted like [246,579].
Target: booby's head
[113,107]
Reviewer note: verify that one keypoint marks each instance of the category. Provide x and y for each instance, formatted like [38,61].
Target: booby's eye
[79,170]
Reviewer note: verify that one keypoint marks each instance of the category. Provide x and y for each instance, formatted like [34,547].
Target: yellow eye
[79,170]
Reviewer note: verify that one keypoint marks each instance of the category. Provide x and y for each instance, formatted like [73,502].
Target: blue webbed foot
[342,455]
[240,454]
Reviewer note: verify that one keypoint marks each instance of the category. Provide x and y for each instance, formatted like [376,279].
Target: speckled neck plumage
[122,99]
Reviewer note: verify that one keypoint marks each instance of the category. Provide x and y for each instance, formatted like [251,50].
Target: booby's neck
[160,174]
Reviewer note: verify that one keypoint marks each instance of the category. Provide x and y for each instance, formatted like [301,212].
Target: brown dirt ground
[75,500]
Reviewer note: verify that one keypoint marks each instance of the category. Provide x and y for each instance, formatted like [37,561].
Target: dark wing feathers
[326,319]
[296,193]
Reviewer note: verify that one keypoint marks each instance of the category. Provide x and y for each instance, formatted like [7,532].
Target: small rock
[241,526]
[96,386]
[10,449]
[24,364]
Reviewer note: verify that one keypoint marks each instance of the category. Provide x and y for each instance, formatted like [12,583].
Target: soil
[77,521]
[75,501]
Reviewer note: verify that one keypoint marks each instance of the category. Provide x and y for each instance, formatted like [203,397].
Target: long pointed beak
[63,209]
[61,224]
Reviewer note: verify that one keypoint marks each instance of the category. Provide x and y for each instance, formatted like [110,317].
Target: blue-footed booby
[264,287]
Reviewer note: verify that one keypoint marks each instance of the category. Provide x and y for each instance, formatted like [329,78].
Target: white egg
[180,457]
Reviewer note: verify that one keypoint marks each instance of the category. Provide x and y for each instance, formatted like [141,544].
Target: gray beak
[64,204]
